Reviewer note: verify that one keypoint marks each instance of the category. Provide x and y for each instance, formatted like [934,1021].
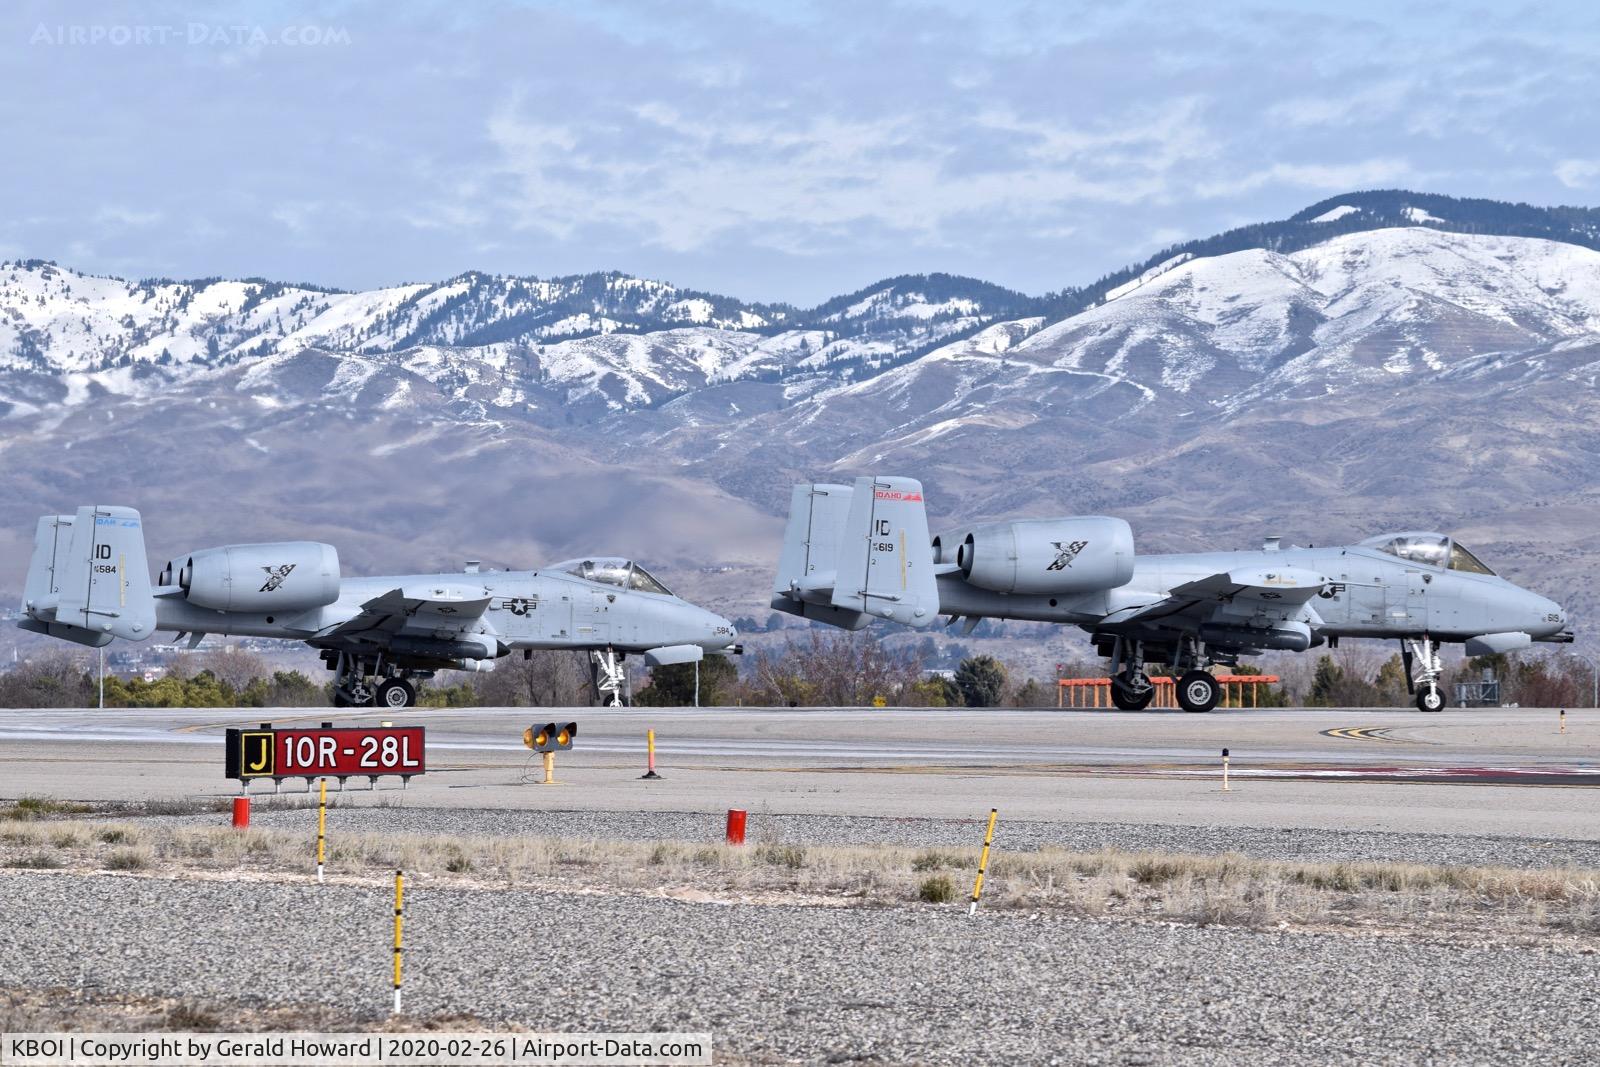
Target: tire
[396,693]
[1198,691]
[340,700]
[1127,700]
[1430,698]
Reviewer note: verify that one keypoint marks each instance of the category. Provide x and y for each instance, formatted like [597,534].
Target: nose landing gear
[1423,670]
[610,678]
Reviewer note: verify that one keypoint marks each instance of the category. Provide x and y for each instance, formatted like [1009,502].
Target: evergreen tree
[982,681]
[1325,683]
[673,686]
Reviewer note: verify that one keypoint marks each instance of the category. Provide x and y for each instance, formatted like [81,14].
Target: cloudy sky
[779,151]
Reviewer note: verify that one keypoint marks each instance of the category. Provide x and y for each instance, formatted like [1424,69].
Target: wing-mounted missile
[286,577]
[1042,556]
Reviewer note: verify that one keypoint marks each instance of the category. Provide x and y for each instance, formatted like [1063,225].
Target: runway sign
[328,752]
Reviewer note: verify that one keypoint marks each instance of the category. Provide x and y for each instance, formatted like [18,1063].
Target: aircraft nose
[720,633]
[1551,616]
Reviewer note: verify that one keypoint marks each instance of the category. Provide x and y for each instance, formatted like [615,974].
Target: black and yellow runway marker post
[1563,720]
[399,923]
[1225,788]
[322,826]
[983,862]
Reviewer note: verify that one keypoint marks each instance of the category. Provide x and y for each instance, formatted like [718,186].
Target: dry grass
[1227,889]
[28,809]
[57,1009]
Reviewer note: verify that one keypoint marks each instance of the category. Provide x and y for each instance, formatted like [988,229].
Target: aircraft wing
[1239,592]
[441,612]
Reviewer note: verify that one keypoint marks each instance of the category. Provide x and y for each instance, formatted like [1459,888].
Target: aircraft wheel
[340,700]
[396,693]
[1127,699]
[1430,698]
[1198,691]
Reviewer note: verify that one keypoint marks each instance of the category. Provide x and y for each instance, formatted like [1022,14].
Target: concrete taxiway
[1493,772]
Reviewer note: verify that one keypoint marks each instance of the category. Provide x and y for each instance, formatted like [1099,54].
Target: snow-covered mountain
[588,343]
[1409,362]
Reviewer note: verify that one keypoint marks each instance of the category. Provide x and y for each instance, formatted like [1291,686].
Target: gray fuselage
[527,610]
[1374,595]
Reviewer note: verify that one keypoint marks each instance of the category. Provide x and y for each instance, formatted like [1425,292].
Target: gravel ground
[897,985]
[1297,844]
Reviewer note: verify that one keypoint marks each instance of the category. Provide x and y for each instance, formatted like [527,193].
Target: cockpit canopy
[613,570]
[1430,550]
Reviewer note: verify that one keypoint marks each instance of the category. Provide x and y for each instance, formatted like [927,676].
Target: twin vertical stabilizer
[855,553]
[88,580]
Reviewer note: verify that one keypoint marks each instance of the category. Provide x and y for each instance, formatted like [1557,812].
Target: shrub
[936,890]
[127,859]
[790,856]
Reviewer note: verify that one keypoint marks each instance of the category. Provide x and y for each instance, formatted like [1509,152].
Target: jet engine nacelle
[285,577]
[1076,555]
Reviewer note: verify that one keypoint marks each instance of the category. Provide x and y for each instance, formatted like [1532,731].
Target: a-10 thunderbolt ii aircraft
[854,553]
[88,582]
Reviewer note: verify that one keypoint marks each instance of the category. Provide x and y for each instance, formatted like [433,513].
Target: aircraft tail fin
[89,580]
[851,553]
[808,564]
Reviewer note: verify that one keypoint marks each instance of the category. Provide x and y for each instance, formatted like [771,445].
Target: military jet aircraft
[88,582]
[855,553]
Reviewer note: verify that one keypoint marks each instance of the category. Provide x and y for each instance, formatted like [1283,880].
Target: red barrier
[736,826]
[241,813]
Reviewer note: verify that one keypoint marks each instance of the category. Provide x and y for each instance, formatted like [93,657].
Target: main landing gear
[1197,689]
[1130,685]
[1423,670]
[610,678]
[366,681]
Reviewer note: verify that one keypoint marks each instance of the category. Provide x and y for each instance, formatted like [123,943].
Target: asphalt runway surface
[1507,772]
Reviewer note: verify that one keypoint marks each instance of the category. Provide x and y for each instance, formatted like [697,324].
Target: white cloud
[1578,173]
[798,181]
[116,214]
[1335,177]
[1364,105]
